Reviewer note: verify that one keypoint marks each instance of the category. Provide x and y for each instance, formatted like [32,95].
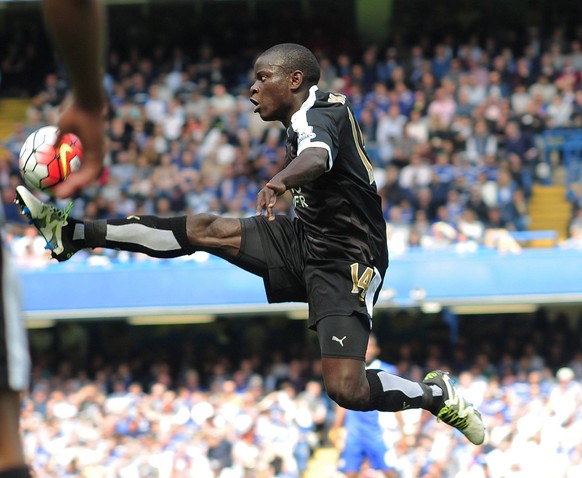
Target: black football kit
[333,254]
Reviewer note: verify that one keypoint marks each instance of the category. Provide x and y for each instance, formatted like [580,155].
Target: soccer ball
[42,164]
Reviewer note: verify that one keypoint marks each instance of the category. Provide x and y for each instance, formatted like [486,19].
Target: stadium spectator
[417,127]
[441,109]
[388,131]
[470,226]
[544,89]
[521,144]
[415,175]
[397,230]
[480,143]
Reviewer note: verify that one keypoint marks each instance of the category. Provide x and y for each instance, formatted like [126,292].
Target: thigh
[272,250]
[340,288]
[344,336]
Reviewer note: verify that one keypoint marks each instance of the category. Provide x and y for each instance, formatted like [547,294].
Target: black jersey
[340,213]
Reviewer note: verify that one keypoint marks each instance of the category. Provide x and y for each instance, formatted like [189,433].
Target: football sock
[154,236]
[390,393]
[20,472]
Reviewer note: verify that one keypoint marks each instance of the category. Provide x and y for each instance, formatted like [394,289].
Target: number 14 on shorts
[361,282]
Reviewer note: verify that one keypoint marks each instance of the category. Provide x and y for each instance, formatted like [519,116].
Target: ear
[296,80]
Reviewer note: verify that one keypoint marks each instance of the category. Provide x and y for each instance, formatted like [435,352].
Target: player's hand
[267,198]
[89,125]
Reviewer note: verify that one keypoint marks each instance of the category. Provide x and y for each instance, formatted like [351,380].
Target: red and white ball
[43,164]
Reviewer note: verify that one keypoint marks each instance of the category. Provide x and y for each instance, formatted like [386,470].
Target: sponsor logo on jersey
[298,198]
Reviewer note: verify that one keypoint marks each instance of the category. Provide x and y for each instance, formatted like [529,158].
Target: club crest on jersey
[305,135]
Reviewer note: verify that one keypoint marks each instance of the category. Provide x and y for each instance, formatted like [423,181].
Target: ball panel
[42,164]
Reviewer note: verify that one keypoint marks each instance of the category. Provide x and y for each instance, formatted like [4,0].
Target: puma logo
[341,341]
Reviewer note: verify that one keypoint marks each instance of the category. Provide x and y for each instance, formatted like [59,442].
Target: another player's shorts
[14,355]
[356,451]
[337,288]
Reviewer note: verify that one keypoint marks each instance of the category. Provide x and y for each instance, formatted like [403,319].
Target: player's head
[292,57]
[283,75]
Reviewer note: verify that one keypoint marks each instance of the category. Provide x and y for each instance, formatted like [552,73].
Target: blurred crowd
[257,412]
[454,130]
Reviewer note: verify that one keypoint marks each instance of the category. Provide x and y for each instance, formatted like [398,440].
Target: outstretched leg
[151,235]
[162,237]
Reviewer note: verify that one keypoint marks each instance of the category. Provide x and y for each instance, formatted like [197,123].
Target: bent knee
[350,399]
[351,394]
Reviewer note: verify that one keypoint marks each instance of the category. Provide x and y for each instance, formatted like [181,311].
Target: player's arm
[78,29]
[305,168]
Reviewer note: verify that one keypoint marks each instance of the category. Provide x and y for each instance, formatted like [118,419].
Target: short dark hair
[293,57]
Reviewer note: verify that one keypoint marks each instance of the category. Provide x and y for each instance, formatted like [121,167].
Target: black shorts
[275,250]
[14,355]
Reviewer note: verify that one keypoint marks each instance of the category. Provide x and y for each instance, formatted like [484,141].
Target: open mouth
[256,103]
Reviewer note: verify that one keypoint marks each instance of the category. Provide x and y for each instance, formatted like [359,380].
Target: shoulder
[332,107]
[322,110]
[328,99]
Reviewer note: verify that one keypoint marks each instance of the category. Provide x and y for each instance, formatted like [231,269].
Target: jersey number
[360,283]
[359,142]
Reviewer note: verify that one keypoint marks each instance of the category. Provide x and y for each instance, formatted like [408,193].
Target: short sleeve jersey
[340,212]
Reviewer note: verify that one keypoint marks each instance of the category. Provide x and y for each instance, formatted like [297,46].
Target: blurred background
[472,113]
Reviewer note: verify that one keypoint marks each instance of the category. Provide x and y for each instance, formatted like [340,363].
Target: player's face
[270,93]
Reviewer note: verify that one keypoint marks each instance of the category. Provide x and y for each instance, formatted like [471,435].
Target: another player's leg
[343,342]
[369,447]
[12,463]
[14,373]
[154,236]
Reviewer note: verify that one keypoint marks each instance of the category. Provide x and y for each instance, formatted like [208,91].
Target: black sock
[154,236]
[20,472]
[390,393]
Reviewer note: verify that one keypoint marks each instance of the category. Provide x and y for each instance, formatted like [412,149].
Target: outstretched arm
[78,29]
[307,167]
